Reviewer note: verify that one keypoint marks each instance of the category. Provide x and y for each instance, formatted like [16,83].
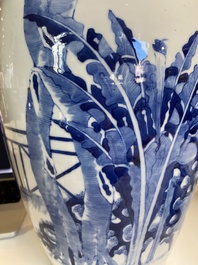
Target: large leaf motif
[45,177]
[69,102]
[90,107]
[189,50]
[92,178]
[84,51]
[189,86]
[91,228]
[117,150]
[131,124]
[109,88]
[68,97]
[155,157]
[123,38]
[98,42]
[126,75]
[70,32]
[162,217]
[172,104]
[40,42]
[80,48]
[177,77]
[167,161]
[61,11]
[188,153]
[135,183]
[172,72]
[43,105]
[145,121]
[179,104]
[177,72]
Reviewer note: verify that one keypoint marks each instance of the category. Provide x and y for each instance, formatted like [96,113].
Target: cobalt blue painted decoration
[133,133]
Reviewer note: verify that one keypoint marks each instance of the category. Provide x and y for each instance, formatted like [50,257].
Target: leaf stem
[186,58]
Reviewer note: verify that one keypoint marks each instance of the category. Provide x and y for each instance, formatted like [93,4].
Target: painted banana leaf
[133,151]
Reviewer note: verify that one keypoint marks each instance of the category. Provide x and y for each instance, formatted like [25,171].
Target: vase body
[99,105]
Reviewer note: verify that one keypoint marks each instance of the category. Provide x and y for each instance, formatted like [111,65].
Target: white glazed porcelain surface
[161,28]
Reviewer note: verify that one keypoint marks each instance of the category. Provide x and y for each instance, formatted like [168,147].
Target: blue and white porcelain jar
[99,103]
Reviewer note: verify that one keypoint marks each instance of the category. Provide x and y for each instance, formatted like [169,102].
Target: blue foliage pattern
[134,131]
